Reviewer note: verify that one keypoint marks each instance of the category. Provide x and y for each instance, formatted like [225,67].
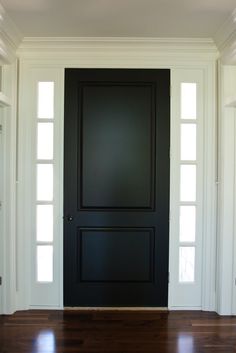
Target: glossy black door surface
[116,187]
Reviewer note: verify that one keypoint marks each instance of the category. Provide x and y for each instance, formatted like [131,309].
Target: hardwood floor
[118,332]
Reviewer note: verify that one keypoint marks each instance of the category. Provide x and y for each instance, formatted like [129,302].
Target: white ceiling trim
[225,31]
[119,45]
[10,37]
[225,39]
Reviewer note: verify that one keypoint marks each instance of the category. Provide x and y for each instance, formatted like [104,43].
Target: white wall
[9,41]
[8,212]
[1,212]
[226,269]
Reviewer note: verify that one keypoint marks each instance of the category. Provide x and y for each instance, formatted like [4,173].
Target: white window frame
[186,295]
[47,294]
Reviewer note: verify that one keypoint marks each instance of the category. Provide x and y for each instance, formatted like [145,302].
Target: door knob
[69,218]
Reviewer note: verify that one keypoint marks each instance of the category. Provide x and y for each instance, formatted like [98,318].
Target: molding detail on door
[143,93]
[92,260]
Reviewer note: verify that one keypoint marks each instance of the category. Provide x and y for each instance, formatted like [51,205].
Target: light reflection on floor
[185,343]
[45,342]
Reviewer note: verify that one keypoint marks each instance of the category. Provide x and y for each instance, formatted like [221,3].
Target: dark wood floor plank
[38,331]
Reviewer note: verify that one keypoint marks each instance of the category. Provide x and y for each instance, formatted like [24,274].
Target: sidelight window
[45,141]
[44,182]
[188,181]
[188,100]
[45,100]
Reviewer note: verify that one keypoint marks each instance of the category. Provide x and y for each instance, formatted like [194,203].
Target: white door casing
[1,212]
[50,66]
[226,271]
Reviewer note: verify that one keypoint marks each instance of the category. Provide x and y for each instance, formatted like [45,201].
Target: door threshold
[115,308]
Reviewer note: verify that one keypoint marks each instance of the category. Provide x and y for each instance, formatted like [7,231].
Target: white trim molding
[226,249]
[57,54]
[4,100]
[8,241]
[9,41]
[225,39]
[10,38]
[130,48]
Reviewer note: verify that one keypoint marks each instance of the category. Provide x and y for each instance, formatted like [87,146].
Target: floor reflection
[185,343]
[45,342]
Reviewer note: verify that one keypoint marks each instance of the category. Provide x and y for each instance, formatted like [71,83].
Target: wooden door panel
[116,255]
[116,143]
[116,187]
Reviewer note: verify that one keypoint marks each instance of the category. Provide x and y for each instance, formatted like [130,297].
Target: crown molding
[10,37]
[152,47]
[225,39]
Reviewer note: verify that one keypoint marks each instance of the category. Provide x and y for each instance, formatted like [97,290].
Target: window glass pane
[45,100]
[187,223]
[188,100]
[45,141]
[186,264]
[188,183]
[188,142]
[44,223]
[44,263]
[44,182]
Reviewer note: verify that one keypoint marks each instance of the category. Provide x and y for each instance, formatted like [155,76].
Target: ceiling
[119,18]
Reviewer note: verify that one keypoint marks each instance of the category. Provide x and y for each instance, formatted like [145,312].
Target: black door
[116,187]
